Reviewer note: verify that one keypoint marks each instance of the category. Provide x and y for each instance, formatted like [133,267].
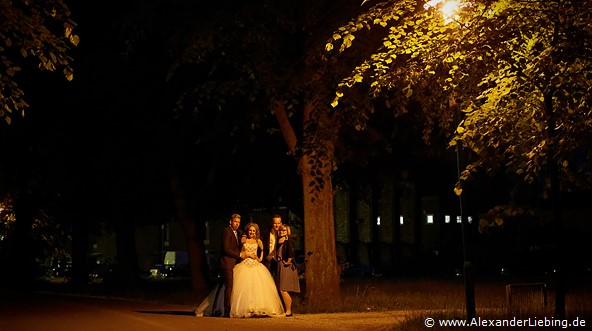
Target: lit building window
[401,220]
[447,218]
[378,220]
[470,219]
[430,218]
[458,219]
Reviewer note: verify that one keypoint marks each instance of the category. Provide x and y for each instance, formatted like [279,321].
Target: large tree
[265,59]
[38,33]
[518,72]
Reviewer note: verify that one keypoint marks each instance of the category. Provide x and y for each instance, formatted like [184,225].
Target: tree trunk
[127,257]
[315,167]
[195,245]
[322,270]
[23,256]
[197,257]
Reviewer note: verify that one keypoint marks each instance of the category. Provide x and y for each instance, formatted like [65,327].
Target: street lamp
[449,9]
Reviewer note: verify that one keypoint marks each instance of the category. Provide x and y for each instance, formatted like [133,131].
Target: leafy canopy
[519,72]
[38,29]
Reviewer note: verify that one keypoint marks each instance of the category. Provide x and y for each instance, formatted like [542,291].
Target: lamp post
[469,282]
[449,14]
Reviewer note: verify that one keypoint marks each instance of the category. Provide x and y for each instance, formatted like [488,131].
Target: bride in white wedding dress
[254,291]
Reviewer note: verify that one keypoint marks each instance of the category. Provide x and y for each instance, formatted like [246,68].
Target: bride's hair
[257,232]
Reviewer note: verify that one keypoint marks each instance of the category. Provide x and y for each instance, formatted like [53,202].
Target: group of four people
[254,269]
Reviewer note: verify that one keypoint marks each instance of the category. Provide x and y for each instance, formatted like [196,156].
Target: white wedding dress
[213,305]
[254,292]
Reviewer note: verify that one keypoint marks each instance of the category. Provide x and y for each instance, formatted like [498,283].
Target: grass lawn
[444,300]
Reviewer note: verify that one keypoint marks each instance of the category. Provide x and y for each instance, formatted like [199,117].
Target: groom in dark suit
[230,256]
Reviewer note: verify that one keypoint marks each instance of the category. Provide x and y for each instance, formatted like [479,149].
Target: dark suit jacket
[230,248]
[265,239]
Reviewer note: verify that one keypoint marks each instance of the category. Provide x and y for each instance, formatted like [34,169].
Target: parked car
[176,265]
[105,273]
[157,271]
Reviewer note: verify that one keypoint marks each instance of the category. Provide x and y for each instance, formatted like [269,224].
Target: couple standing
[249,288]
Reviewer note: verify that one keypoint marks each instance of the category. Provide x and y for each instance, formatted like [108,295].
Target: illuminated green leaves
[521,73]
[33,32]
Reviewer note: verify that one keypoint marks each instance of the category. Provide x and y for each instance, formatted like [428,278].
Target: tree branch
[279,109]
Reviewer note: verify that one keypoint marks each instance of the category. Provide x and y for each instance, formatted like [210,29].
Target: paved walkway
[49,312]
